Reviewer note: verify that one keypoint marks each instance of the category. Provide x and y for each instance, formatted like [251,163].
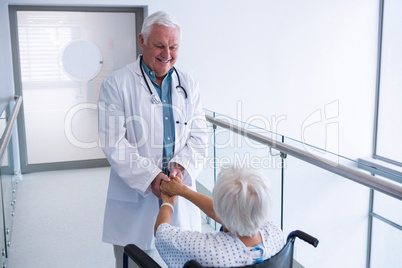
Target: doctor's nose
[166,53]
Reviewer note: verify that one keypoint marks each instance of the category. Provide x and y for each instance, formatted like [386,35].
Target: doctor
[151,127]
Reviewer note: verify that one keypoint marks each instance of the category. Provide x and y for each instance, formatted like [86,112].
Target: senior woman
[241,202]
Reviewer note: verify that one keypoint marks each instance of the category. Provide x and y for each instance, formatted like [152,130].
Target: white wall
[284,58]
[278,58]
[287,58]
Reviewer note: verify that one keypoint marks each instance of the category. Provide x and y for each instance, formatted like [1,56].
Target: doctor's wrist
[178,167]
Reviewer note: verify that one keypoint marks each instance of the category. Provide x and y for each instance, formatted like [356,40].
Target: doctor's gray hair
[161,18]
[242,199]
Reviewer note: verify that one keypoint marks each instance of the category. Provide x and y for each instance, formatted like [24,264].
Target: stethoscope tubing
[149,88]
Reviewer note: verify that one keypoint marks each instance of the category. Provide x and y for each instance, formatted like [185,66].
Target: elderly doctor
[151,128]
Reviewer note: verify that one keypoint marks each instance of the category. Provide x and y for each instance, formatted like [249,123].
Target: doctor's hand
[156,184]
[172,188]
[177,171]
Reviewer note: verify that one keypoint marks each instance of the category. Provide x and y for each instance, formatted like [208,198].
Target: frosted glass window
[388,207]
[385,245]
[60,96]
[389,128]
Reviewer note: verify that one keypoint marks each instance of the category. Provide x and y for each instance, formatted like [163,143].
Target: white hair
[242,199]
[161,18]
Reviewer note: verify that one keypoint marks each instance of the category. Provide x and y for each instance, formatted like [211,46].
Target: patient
[241,202]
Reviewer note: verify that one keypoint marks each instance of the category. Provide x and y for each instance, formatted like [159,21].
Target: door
[62,56]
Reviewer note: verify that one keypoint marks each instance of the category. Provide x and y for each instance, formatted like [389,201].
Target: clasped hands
[170,190]
[163,186]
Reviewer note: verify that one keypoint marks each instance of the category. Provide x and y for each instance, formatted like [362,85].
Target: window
[388,130]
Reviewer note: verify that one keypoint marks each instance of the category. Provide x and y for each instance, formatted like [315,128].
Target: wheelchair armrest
[140,257]
[306,237]
[192,264]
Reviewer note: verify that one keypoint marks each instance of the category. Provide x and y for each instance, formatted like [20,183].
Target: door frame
[140,13]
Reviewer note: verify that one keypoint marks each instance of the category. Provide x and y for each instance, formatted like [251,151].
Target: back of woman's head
[242,200]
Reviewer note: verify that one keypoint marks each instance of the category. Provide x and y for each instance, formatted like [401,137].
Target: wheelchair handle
[306,237]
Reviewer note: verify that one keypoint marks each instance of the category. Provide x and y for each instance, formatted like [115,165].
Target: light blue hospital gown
[176,246]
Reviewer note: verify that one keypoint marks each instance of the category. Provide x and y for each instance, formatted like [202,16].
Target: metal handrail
[5,139]
[383,185]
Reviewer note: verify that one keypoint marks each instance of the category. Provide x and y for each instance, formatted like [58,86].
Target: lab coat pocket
[182,125]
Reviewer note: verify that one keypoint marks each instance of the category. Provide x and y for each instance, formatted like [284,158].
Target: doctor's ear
[141,40]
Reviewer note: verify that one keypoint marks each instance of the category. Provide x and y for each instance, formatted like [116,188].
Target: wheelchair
[283,259]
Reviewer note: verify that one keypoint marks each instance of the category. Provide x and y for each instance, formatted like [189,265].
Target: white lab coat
[131,135]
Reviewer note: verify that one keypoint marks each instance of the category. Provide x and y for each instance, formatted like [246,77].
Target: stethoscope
[155,99]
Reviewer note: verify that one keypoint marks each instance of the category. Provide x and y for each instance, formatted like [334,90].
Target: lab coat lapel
[152,113]
[179,112]
[178,99]
[178,105]
[138,72]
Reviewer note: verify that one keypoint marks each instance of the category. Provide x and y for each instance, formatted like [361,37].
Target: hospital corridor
[210,133]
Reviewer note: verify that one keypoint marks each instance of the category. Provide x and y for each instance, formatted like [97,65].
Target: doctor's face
[161,50]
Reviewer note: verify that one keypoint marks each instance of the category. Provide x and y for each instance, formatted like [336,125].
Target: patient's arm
[165,212]
[176,187]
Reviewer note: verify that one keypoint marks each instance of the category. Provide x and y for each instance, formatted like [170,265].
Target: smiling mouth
[164,61]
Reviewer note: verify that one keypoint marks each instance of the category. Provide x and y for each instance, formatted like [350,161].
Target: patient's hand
[173,187]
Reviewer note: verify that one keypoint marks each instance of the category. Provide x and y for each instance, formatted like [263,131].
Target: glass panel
[390,110]
[329,207]
[386,245]
[60,97]
[3,246]
[7,181]
[232,148]
[206,179]
[3,124]
[207,175]
[2,120]
[329,155]
[326,205]
[388,207]
[6,194]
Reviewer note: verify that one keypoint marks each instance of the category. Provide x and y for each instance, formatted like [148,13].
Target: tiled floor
[58,220]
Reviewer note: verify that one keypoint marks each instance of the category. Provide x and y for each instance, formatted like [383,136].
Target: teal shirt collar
[151,74]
